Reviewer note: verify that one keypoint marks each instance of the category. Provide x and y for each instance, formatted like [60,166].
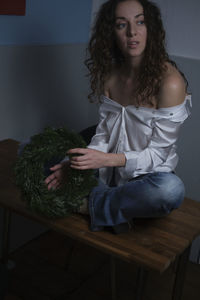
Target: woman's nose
[131,30]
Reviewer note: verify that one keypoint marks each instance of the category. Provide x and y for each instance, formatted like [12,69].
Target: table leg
[6,235]
[113,277]
[180,275]
[140,283]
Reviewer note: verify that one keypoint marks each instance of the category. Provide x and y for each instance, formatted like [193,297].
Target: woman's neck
[131,67]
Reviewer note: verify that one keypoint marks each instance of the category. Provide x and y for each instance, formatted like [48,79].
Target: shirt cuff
[131,164]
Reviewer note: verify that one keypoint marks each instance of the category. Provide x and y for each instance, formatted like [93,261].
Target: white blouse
[146,136]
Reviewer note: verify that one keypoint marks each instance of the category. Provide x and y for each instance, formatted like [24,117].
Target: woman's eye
[120,25]
[140,22]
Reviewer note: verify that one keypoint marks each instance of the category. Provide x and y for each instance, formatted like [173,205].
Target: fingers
[77,150]
[49,178]
[80,166]
[78,161]
[60,171]
[90,158]
[56,167]
[53,180]
[84,167]
[56,173]
[54,184]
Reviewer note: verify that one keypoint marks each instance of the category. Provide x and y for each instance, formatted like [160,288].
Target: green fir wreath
[30,174]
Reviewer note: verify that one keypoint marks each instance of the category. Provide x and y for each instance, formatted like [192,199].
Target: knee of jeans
[171,193]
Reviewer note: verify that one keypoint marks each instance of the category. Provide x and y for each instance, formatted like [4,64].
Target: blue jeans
[147,196]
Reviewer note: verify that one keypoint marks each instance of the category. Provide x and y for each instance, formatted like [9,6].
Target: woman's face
[130,29]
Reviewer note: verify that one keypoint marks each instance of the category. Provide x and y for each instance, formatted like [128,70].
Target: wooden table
[153,244]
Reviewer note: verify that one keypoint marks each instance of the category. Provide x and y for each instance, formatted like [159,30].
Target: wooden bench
[152,245]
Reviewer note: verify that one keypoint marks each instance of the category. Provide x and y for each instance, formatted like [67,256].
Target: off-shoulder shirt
[147,137]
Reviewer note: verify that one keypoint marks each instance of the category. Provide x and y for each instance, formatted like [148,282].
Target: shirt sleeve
[101,138]
[166,125]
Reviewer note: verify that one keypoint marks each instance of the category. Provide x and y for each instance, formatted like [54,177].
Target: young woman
[144,101]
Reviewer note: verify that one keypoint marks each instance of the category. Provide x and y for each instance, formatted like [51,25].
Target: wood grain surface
[152,243]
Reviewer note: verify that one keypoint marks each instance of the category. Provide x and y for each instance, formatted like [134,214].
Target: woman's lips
[133,44]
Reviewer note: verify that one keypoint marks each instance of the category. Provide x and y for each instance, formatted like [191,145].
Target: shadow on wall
[42,86]
[189,143]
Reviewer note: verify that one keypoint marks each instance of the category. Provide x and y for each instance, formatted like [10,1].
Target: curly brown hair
[104,52]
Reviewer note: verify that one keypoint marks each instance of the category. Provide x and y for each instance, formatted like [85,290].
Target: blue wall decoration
[48,22]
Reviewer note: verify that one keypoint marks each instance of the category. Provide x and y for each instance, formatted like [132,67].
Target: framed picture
[13,7]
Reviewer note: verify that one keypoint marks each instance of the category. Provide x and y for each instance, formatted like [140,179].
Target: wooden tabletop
[152,243]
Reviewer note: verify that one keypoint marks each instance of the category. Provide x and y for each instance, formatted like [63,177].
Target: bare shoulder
[173,88]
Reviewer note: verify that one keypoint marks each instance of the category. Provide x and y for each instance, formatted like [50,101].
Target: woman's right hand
[58,176]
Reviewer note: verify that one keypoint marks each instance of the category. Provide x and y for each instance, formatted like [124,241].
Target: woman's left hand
[94,159]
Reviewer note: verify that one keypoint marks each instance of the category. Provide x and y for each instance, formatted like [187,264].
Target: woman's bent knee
[171,192]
